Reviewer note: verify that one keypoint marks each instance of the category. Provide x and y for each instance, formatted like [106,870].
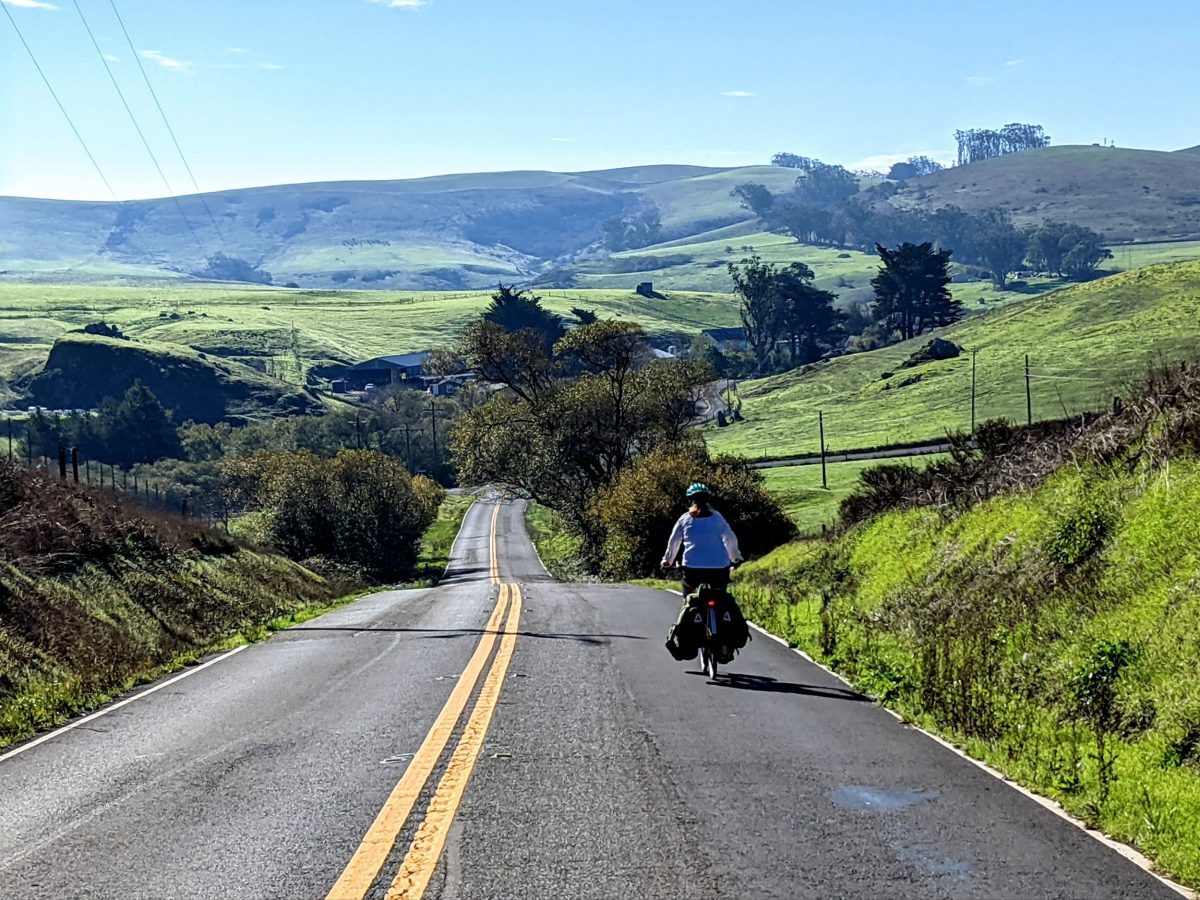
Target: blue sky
[276,91]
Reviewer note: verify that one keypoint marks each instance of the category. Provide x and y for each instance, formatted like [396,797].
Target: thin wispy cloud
[737,93]
[241,51]
[1015,62]
[112,57]
[562,140]
[29,4]
[400,4]
[978,81]
[167,62]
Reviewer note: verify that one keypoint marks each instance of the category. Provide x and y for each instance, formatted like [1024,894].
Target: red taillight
[712,602]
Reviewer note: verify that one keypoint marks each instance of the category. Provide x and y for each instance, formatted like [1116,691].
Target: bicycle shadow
[766,684]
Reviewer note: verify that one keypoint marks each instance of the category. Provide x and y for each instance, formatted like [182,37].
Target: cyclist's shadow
[766,684]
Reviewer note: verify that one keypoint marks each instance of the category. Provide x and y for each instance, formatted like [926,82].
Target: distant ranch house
[727,339]
[406,369]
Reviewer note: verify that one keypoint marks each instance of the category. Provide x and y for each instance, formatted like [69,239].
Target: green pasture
[248,322]
[1086,343]
[811,505]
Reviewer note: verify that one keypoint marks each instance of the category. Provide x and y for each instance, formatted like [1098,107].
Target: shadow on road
[444,633]
[771,686]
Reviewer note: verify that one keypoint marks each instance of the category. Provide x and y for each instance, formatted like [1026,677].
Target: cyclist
[708,544]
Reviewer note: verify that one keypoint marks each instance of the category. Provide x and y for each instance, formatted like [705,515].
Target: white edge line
[114,707]
[1138,859]
[454,543]
[532,542]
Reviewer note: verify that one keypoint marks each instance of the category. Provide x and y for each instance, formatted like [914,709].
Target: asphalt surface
[606,770]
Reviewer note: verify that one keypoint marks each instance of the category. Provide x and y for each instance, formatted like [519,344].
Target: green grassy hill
[84,370]
[1127,195]
[1085,342]
[254,325]
[445,232]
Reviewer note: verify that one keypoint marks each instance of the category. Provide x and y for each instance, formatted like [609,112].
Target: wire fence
[71,467]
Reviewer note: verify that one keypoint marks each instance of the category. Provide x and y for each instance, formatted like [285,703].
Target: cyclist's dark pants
[693,578]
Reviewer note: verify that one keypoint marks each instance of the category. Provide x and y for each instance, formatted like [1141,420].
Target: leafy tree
[791,161]
[808,319]
[754,285]
[139,429]
[517,310]
[999,245]
[826,184]
[596,406]
[1071,250]
[756,198]
[977,144]
[808,224]
[912,291]
[637,510]
[783,304]
[584,316]
[914,167]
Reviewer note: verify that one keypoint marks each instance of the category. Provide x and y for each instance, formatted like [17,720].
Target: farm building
[383,371]
[727,338]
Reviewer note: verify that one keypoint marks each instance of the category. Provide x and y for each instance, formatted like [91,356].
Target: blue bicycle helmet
[698,487]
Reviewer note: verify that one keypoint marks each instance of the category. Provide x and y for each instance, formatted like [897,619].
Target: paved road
[853,456]
[586,764]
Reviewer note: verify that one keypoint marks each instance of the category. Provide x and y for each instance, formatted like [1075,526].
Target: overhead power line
[54,94]
[137,127]
[171,131]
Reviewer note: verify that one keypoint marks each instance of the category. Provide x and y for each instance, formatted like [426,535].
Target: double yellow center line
[426,848]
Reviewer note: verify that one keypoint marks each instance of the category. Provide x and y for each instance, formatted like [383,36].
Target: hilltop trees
[977,144]
[783,304]
[914,167]
[912,291]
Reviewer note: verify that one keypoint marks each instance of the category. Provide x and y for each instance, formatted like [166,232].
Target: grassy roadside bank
[558,550]
[72,642]
[1054,634]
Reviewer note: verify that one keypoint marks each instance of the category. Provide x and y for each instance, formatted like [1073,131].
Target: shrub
[637,511]
[360,507]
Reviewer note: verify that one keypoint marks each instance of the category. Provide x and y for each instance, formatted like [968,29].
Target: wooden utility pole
[821,426]
[1028,395]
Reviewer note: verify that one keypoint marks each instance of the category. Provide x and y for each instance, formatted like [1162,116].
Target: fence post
[10,440]
[75,464]
[974,353]
[1028,395]
[821,426]
[62,462]
[183,507]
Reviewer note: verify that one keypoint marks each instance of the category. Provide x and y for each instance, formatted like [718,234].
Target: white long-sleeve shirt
[707,541]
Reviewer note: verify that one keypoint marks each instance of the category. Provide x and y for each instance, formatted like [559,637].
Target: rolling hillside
[1127,195]
[445,232]
[1085,344]
[254,325]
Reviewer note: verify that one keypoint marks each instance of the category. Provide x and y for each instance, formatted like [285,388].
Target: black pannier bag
[688,632]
